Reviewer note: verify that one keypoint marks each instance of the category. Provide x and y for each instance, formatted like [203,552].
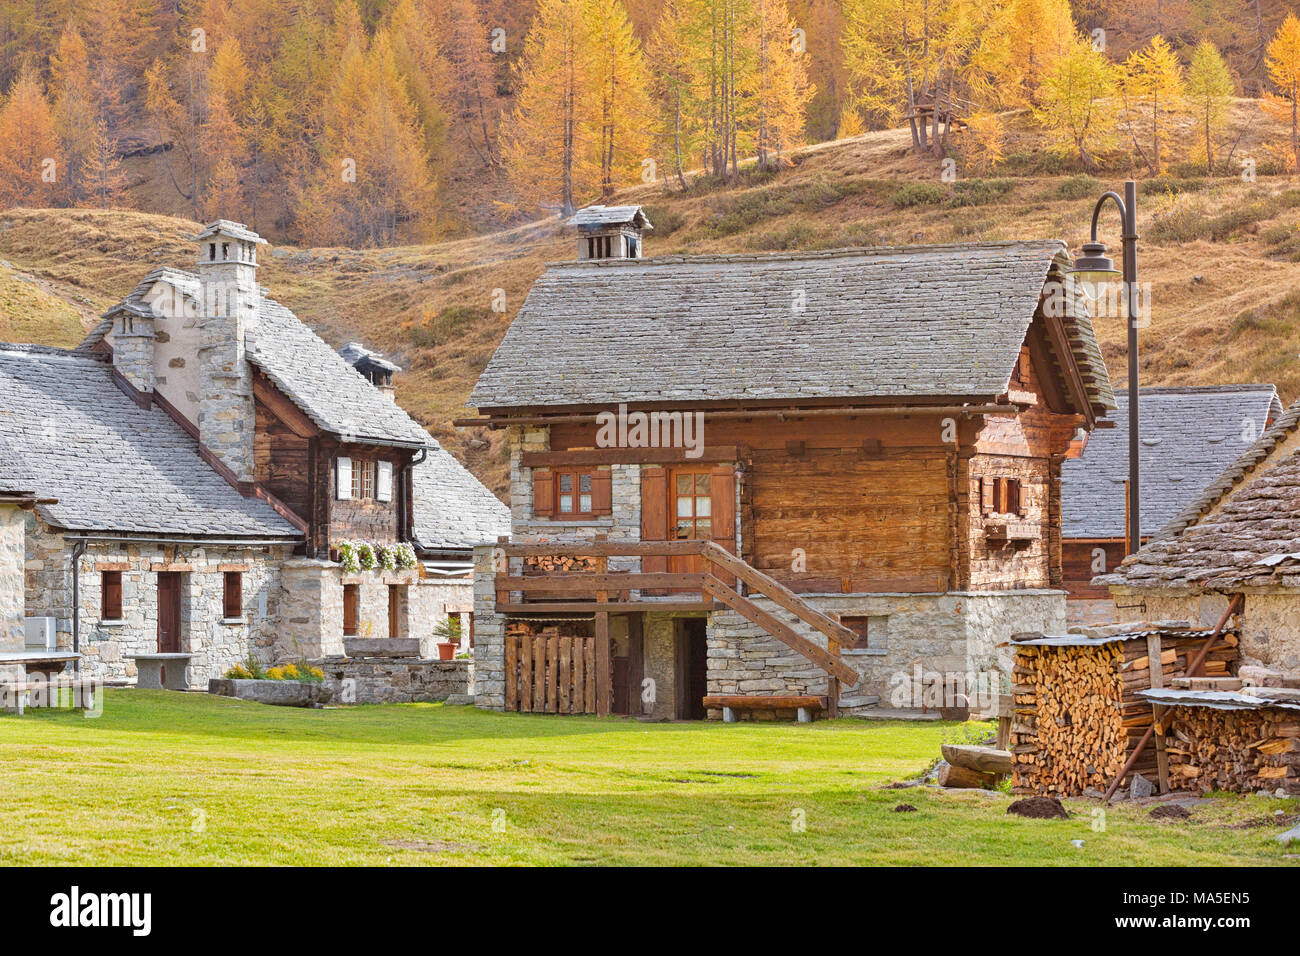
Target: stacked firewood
[557,563]
[1077,715]
[1234,750]
[1067,734]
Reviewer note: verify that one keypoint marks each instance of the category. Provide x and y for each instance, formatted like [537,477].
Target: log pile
[1076,713]
[1233,750]
[558,563]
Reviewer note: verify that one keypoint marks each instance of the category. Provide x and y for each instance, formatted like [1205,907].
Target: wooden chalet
[763,483]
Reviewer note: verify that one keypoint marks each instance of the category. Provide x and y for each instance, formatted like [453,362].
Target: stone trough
[282,693]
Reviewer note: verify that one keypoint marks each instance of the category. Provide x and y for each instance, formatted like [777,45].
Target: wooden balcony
[711,587]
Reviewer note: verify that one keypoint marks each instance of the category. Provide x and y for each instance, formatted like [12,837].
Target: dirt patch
[1171,811]
[1039,808]
[1257,823]
[904,808]
[432,846]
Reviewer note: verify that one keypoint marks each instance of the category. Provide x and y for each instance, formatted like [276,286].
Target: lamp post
[1095,266]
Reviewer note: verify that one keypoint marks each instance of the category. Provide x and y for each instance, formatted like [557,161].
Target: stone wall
[215,642]
[378,680]
[489,685]
[13,555]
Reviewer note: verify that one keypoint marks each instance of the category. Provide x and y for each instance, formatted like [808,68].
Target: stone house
[776,482]
[210,456]
[1189,434]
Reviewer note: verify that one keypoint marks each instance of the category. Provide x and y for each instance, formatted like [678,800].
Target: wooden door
[169,612]
[691,670]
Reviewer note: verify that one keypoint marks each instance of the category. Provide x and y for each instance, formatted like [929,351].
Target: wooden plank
[579,699]
[512,667]
[1158,680]
[621,456]
[782,596]
[764,702]
[525,675]
[568,607]
[589,675]
[566,675]
[603,664]
[782,632]
[583,583]
[552,674]
[539,674]
[606,549]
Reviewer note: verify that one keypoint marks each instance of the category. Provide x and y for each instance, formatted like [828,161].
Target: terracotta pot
[446,652]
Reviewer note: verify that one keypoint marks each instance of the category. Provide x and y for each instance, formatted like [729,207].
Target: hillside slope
[1222,257]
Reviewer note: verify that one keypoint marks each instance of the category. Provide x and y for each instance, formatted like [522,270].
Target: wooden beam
[579,582]
[282,407]
[1041,360]
[764,702]
[604,675]
[625,456]
[605,549]
[590,607]
[780,595]
[1065,356]
[782,632]
[986,408]
[1157,672]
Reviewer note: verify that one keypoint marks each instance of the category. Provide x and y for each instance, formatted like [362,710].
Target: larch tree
[1209,90]
[468,87]
[75,116]
[620,102]
[782,90]
[670,50]
[101,178]
[546,141]
[1282,103]
[1153,92]
[32,164]
[1074,103]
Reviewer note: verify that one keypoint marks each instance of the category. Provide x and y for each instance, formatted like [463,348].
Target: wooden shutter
[722,504]
[654,515]
[233,604]
[1013,497]
[986,496]
[543,492]
[111,587]
[343,474]
[349,609]
[384,483]
[602,501]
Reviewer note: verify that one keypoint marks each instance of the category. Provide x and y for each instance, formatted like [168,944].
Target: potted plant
[448,631]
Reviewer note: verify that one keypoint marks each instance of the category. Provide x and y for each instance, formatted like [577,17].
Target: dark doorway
[169,612]
[692,667]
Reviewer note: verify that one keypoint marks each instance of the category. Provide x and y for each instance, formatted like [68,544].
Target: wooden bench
[805,707]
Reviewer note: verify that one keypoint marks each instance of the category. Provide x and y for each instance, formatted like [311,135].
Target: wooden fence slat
[579,689]
[512,678]
[589,677]
[566,654]
[539,674]
[525,675]
[552,665]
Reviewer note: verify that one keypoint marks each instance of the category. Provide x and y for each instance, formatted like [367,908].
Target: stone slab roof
[1242,530]
[68,432]
[601,217]
[909,323]
[1189,435]
[319,381]
[453,510]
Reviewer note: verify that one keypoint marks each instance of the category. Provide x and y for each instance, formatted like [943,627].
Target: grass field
[165,778]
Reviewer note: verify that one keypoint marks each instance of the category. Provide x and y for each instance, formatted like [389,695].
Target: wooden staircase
[603,591]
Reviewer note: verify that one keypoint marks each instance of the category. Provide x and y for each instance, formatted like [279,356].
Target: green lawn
[165,778]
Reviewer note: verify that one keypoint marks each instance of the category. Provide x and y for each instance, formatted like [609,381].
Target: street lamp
[1095,266]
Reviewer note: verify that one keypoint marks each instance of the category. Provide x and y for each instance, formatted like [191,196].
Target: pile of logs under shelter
[1078,712]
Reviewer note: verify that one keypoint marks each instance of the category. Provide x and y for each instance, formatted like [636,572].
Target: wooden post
[1157,671]
[635,661]
[604,690]
[832,686]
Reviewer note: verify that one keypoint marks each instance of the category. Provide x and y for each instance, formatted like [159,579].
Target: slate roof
[1244,529]
[68,432]
[909,323]
[1188,436]
[355,352]
[600,217]
[453,510]
[319,381]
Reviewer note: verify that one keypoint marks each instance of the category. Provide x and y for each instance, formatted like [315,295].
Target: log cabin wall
[282,461]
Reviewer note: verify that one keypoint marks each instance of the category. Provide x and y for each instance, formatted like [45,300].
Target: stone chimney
[378,370]
[611,232]
[133,347]
[228,297]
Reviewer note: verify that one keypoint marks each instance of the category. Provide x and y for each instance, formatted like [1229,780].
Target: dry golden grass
[1221,255]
